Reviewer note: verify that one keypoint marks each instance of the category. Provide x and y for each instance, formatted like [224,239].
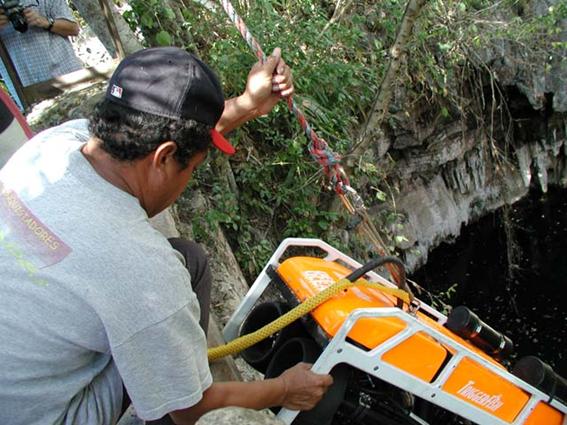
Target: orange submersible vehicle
[395,360]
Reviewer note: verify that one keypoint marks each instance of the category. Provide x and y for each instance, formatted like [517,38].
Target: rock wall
[516,66]
[446,187]
[449,176]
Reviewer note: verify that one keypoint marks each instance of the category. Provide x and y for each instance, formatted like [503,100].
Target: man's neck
[117,173]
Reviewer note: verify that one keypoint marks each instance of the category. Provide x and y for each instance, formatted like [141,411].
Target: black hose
[380,261]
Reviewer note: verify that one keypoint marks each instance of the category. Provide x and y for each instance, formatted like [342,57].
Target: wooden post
[112,28]
[12,74]
[72,81]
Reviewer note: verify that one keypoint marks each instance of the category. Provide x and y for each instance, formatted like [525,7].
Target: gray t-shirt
[90,296]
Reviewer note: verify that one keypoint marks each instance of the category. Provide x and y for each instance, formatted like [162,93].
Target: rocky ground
[69,105]
[89,49]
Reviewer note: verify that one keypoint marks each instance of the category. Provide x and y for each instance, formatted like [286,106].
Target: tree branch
[372,131]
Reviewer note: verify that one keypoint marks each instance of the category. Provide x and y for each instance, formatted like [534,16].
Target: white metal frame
[340,350]
[232,327]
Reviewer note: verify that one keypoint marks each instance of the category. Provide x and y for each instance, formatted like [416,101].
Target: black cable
[380,261]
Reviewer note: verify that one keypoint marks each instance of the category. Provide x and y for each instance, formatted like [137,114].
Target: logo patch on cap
[116,91]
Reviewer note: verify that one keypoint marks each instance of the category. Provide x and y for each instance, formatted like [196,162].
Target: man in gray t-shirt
[92,298]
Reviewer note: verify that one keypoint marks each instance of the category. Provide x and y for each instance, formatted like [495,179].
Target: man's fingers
[277,54]
[282,82]
[273,60]
[305,366]
[322,381]
[281,66]
[33,17]
[278,79]
[327,380]
[304,388]
[287,92]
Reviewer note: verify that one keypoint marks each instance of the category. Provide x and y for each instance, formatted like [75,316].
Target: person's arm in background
[60,26]
[4,13]
[3,19]
[267,83]
[297,388]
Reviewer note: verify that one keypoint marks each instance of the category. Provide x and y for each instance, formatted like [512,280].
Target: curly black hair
[127,134]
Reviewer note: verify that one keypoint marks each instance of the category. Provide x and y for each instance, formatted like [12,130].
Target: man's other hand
[303,388]
[3,19]
[34,19]
[268,82]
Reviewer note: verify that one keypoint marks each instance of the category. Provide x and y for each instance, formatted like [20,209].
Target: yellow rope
[239,344]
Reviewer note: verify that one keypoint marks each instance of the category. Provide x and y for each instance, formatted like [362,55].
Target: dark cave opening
[522,297]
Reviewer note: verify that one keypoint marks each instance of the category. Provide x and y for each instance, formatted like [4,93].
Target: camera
[15,13]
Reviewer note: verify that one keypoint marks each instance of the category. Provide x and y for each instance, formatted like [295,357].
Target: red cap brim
[221,143]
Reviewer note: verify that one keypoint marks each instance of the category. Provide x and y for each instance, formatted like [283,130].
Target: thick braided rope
[318,147]
[239,344]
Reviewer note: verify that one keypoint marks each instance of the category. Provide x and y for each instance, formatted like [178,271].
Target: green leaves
[163,38]
[169,13]
[147,20]
[337,69]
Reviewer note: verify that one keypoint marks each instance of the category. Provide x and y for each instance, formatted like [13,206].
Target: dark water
[528,304]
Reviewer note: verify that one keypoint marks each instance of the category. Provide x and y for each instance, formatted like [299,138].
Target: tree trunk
[182,34]
[91,12]
[372,131]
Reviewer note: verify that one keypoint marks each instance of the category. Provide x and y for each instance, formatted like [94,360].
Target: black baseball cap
[172,83]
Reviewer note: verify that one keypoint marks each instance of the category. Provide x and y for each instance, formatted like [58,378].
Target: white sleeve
[164,367]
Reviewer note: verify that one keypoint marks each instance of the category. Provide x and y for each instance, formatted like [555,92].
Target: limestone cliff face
[535,79]
[448,184]
[452,175]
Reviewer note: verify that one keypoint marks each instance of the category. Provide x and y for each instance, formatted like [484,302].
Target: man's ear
[163,155]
